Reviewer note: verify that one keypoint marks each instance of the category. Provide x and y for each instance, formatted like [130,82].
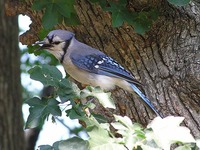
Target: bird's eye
[56,42]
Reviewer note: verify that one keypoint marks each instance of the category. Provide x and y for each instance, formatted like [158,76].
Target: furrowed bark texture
[11,124]
[166,59]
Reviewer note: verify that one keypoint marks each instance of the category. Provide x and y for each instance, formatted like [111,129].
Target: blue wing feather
[103,65]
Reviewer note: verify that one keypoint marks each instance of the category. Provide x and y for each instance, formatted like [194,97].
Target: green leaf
[100,118]
[100,136]
[166,131]
[102,3]
[43,33]
[31,49]
[52,107]
[74,143]
[184,147]
[142,23]
[45,147]
[73,20]
[40,109]
[67,90]
[35,101]
[39,5]
[50,17]
[76,113]
[132,133]
[179,2]
[47,75]
[57,11]
[117,19]
[124,120]
[104,98]
[65,8]
[36,117]
[50,75]
[36,74]
[118,10]
[55,145]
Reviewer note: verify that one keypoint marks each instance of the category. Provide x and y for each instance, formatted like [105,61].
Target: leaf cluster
[141,21]
[74,143]
[66,91]
[56,11]
[158,135]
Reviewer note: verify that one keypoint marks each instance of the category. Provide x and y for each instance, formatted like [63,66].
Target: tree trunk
[165,59]
[11,124]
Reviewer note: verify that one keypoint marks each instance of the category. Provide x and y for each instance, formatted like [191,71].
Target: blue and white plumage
[90,66]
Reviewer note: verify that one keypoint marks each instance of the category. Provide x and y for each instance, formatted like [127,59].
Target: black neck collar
[67,43]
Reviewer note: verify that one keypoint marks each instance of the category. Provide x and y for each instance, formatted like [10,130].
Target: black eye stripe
[50,38]
[56,42]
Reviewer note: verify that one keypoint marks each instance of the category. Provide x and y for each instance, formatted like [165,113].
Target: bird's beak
[43,45]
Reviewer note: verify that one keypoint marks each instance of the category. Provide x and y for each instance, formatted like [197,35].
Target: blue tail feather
[145,99]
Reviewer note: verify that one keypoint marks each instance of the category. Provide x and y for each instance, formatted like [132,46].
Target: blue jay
[88,65]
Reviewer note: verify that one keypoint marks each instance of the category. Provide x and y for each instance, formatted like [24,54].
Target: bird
[90,66]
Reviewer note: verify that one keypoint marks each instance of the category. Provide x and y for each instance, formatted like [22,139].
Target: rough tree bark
[11,124]
[166,59]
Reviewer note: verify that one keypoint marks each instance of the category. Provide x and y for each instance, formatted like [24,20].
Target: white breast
[87,78]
